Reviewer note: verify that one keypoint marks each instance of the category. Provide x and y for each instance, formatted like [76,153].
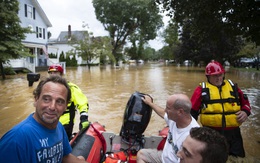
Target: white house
[32,15]
[61,44]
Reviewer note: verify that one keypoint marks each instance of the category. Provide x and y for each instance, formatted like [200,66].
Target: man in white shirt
[178,118]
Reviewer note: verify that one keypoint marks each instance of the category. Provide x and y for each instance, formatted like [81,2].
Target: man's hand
[241,116]
[83,122]
[147,99]
[83,125]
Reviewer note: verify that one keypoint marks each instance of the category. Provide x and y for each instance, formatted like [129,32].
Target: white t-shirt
[176,136]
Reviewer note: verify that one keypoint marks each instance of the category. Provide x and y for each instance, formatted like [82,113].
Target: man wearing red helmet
[222,106]
[78,100]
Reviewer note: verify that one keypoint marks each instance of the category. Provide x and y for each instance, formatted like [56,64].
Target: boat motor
[136,118]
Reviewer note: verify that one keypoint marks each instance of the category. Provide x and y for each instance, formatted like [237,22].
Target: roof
[76,35]
[41,12]
[63,37]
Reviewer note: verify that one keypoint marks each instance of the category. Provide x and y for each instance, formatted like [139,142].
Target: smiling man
[41,138]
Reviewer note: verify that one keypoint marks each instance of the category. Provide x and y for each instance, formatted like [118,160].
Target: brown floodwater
[108,90]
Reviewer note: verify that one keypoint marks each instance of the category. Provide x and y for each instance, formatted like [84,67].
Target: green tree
[122,18]
[250,50]
[214,30]
[90,47]
[148,53]
[71,59]
[62,57]
[106,50]
[11,33]
[237,18]
[170,36]
[52,55]
[198,48]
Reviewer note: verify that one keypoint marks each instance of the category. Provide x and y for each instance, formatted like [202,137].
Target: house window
[40,32]
[29,11]
[31,59]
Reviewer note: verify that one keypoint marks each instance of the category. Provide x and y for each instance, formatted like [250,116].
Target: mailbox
[33,77]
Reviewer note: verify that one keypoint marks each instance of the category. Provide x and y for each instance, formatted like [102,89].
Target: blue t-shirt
[30,142]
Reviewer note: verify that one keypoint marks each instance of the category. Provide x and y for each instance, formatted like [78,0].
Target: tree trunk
[257,63]
[2,70]
[88,63]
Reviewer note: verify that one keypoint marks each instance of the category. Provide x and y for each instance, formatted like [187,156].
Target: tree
[62,57]
[250,50]
[122,18]
[171,38]
[148,53]
[214,30]
[105,52]
[11,33]
[196,48]
[91,47]
[237,18]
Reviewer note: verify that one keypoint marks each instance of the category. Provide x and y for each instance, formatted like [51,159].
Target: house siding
[35,22]
[59,45]
[37,45]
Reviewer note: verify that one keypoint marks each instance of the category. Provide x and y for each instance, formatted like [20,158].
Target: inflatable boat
[98,146]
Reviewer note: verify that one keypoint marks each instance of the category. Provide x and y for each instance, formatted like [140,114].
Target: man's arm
[159,110]
[196,102]
[245,107]
[81,102]
[79,98]
[71,158]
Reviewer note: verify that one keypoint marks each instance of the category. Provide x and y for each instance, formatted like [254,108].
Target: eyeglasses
[174,146]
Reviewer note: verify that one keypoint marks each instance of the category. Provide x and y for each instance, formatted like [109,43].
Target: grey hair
[182,104]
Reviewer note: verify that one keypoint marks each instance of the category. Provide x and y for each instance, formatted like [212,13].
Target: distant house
[32,15]
[61,44]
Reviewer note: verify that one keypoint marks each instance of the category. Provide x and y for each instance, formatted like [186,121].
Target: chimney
[69,33]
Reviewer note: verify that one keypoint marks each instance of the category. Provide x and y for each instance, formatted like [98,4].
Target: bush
[9,71]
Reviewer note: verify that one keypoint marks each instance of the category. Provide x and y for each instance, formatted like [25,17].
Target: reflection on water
[109,89]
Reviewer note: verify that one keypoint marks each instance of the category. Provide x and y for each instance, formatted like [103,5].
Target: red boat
[98,146]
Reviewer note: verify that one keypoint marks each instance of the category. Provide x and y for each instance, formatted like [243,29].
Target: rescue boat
[97,145]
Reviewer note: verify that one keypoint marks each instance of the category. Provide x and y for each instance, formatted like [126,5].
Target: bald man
[178,118]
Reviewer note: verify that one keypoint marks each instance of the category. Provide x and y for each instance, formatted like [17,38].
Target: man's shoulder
[73,86]
[194,123]
[17,133]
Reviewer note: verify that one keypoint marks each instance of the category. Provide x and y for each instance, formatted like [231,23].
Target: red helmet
[214,68]
[55,68]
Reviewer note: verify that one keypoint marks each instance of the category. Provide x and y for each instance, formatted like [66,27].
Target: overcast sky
[62,13]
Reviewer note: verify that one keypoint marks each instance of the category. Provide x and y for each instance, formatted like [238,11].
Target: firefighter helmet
[55,68]
[214,68]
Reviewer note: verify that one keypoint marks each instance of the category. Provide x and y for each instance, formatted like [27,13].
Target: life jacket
[219,105]
[116,157]
[68,115]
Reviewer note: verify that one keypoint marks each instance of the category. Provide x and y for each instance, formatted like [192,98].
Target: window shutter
[37,32]
[34,13]
[43,33]
[25,9]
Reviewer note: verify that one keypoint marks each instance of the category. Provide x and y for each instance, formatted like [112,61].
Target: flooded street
[109,89]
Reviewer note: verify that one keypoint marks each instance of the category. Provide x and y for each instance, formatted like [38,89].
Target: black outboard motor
[136,118]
